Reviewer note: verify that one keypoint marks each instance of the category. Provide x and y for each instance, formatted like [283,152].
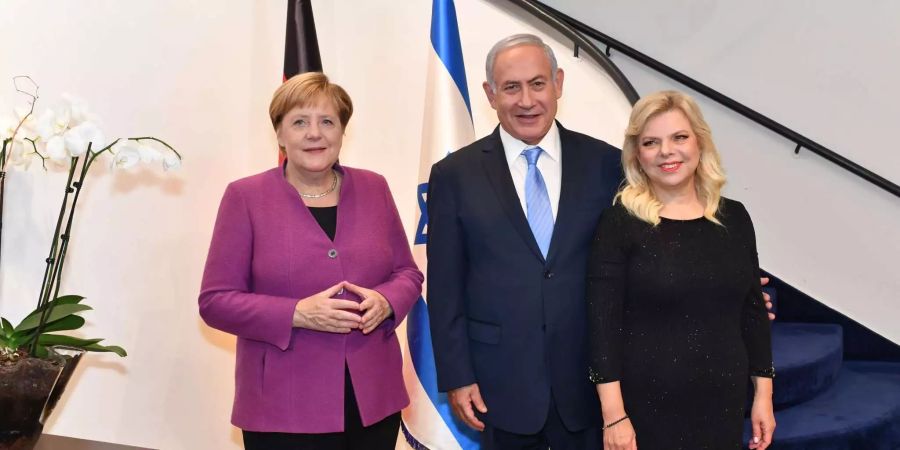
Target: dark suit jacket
[502,316]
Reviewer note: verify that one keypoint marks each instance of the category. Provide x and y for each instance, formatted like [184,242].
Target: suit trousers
[381,435]
[554,435]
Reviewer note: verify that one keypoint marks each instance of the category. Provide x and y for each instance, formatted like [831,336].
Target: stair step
[807,360]
[861,410]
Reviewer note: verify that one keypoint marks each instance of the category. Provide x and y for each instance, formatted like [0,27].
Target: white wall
[828,70]
[199,73]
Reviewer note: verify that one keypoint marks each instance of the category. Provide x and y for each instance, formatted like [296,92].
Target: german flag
[301,47]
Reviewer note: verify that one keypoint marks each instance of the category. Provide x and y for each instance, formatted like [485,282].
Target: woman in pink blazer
[310,268]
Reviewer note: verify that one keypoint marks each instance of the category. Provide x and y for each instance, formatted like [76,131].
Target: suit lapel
[573,164]
[497,170]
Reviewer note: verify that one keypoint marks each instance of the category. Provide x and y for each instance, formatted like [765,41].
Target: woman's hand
[375,307]
[320,312]
[763,421]
[620,437]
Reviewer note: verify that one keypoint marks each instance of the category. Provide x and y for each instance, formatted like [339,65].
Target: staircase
[823,402]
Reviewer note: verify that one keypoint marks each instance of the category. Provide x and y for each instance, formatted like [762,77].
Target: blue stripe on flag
[420,351]
[445,40]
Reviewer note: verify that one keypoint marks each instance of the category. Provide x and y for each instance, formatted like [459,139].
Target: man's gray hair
[515,41]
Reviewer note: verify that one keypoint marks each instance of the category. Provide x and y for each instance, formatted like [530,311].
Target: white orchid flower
[93,134]
[46,125]
[171,161]
[119,144]
[24,110]
[21,153]
[75,141]
[78,110]
[53,123]
[149,154]
[19,123]
[7,127]
[28,122]
[56,149]
[126,154]
[78,138]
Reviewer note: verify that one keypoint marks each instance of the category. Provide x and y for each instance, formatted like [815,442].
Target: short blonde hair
[636,195]
[306,89]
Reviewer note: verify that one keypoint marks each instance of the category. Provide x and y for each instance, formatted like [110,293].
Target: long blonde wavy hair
[637,195]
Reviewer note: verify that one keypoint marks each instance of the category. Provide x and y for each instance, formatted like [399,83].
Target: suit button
[332,253]
[548,274]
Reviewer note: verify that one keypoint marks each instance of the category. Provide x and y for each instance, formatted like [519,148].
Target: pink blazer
[267,252]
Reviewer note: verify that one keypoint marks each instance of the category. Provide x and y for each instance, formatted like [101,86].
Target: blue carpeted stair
[807,357]
[825,403]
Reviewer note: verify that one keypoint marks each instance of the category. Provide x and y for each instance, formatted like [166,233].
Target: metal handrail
[582,43]
[557,19]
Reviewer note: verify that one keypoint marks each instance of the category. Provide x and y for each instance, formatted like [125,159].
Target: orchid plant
[71,137]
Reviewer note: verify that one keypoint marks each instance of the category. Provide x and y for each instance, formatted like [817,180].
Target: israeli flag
[428,422]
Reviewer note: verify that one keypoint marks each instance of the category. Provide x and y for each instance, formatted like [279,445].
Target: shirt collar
[513,147]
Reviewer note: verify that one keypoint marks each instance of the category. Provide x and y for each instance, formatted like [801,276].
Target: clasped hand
[322,312]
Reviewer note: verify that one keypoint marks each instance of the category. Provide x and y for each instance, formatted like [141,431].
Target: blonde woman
[678,322]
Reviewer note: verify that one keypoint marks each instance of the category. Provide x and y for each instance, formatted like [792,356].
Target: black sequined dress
[677,316]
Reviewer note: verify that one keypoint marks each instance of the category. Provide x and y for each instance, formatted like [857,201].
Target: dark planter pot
[29,390]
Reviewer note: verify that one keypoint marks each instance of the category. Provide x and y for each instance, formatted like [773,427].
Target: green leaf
[34,319]
[71,322]
[13,342]
[7,327]
[66,300]
[106,348]
[62,300]
[61,339]
[90,345]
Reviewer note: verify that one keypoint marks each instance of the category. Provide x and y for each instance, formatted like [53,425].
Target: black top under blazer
[502,316]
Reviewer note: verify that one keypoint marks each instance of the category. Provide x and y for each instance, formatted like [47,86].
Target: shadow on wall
[146,177]
[87,364]
[226,342]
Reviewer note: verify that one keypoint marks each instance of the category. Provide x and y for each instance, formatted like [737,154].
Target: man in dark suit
[511,217]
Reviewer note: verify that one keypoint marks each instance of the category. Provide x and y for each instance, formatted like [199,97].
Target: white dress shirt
[549,163]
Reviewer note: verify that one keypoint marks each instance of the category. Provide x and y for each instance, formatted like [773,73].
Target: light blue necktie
[537,201]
